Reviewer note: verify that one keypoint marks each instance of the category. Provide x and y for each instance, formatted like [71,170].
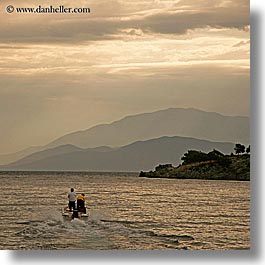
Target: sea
[125,212]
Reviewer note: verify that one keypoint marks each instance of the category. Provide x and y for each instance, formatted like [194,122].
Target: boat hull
[69,214]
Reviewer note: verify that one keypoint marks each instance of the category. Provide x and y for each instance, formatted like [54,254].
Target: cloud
[180,23]
[103,24]
[70,72]
[31,105]
[242,43]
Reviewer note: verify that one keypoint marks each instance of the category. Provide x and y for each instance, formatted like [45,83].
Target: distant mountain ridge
[63,149]
[60,150]
[140,127]
[140,155]
[170,122]
[8,158]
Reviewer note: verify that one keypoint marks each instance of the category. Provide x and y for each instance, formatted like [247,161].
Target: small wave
[117,221]
[178,237]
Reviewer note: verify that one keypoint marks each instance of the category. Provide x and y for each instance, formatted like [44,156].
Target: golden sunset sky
[65,72]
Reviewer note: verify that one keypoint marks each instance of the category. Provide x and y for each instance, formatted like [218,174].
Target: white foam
[78,222]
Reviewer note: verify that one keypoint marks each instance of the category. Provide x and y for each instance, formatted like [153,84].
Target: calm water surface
[126,212]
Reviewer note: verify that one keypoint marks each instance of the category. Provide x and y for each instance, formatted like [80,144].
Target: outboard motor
[75,214]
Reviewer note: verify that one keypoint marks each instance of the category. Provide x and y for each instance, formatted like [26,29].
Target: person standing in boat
[81,203]
[72,199]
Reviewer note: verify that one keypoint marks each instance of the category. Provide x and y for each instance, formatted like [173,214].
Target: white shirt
[72,196]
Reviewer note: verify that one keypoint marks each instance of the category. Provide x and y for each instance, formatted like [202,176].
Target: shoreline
[229,167]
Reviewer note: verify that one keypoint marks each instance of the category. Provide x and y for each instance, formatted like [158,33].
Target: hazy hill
[60,150]
[38,152]
[63,149]
[141,155]
[170,122]
[8,158]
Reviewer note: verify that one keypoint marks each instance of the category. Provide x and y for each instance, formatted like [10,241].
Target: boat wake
[98,231]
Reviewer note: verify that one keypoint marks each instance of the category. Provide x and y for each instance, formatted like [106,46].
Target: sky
[61,73]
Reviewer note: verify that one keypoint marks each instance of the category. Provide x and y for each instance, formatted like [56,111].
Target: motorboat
[81,213]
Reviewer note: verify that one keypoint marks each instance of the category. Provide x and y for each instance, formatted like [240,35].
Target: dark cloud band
[83,28]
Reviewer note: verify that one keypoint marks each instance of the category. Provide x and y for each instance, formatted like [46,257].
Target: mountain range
[104,140]
[140,155]
[170,122]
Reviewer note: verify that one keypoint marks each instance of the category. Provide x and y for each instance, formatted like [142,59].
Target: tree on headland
[214,155]
[239,149]
[194,156]
[248,149]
